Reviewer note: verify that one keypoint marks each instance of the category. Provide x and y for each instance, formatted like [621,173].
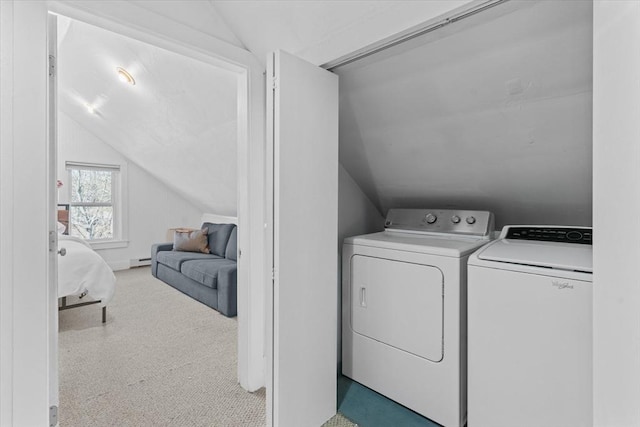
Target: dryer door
[399,304]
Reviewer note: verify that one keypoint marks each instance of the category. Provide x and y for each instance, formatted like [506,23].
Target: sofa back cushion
[218,237]
[232,246]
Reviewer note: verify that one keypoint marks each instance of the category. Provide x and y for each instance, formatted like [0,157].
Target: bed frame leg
[104,314]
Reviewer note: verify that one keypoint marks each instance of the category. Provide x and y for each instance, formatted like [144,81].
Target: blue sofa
[209,278]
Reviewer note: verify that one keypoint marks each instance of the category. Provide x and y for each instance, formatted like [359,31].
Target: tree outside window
[92,207]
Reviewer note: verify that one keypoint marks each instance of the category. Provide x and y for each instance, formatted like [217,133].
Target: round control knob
[455,219]
[471,220]
[431,218]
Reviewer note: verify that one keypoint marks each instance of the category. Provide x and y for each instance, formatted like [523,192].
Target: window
[93,202]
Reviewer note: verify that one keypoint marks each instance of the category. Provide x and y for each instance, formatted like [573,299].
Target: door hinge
[274,83]
[273,273]
[53,416]
[52,241]
[52,66]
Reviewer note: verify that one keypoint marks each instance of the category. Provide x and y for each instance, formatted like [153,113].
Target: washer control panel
[473,223]
[580,235]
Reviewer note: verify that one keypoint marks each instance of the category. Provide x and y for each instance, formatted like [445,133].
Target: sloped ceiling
[178,122]
[198,15]
[264,26]
[179,108]
[319,30]
[491,113]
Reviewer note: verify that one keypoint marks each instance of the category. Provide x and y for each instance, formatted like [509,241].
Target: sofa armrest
[155,248]
[228,290]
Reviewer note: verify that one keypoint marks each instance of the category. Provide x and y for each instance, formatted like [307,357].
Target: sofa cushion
[218,237]
[175,259]
[205,271]
[232,246]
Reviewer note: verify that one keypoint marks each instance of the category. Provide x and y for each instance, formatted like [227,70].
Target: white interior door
[302,155]
[52,273]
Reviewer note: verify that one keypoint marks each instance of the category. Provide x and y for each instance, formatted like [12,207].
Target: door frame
[249,175]
[24,298]
[52,263]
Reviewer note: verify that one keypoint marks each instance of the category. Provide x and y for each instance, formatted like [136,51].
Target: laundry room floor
[367,408]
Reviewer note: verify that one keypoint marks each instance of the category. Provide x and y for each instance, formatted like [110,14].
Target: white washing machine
[530,329]
[404,308]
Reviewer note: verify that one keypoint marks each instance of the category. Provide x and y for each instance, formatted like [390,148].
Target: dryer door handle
[363,296]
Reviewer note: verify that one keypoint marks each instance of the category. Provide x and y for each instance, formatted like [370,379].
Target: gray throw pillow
[191,241]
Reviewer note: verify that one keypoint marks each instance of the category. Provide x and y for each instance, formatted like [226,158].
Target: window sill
[109,244]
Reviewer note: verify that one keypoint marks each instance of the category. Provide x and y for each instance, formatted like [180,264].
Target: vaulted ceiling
[178,122]
[493,112]
[321,31]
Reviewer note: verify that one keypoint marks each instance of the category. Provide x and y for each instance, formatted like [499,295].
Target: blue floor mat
[367,408]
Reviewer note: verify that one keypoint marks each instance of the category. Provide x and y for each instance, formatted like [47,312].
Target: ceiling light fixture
[125,77]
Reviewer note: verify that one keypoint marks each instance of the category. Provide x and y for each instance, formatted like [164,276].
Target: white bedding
[83,270]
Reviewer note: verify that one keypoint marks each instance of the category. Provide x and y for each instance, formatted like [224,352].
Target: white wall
[483,114]
[356,215]
[616,197]
[150,207]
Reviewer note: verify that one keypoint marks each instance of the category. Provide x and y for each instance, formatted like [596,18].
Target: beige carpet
[162,359]
[339,421]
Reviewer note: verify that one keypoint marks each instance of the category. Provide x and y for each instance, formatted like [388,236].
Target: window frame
[118,205]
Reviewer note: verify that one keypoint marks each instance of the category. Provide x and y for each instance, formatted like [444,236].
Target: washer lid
[435,244]
[564,256]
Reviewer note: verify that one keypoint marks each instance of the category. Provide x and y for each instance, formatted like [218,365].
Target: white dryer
[404,308]
[530,329]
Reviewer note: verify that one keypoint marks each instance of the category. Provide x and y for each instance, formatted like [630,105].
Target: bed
[82,272]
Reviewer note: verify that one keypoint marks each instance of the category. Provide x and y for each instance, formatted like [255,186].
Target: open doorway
[164,172]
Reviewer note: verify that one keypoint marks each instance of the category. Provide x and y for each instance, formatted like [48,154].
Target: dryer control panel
[471,223]
[581,235]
